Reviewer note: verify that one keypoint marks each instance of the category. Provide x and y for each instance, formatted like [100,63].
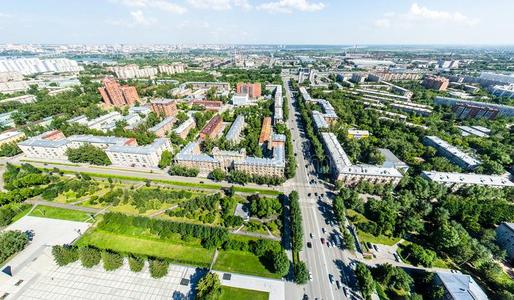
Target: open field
[242,262]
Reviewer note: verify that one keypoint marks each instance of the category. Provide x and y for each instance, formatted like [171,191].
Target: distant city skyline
[324,22]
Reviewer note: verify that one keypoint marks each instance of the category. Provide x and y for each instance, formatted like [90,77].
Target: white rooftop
[470,178]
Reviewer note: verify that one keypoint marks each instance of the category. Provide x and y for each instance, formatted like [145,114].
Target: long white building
[123,152]
[457,180]
[28,66]
[452,153]
[343,170]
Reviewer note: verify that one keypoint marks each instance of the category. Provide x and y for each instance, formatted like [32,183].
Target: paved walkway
[275,288]
[65,205]
[255,234]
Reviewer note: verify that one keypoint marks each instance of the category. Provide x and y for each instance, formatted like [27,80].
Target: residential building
[305,95]
[343,170]
[392,75]
[162,128]
[278,103]
[121,151]
[505,238]
[183,129]
[269,167]
[6,119]
[10,87]
[10,76]
[452,153]
[458,180]
[104,123]
[392,161]
[266,131]
[358,77]
[437,83]
[147,156]
[503,90]
[252,89]
[240,99]
[234,133]
[115,94]
[213,128]
[467,131]
[473,109]
[11,137]
[459,286]
[357,134]
[133,71]
[208,105]
[140,110]
[164,107]
[319,122]
[21,99]
[171,69]
[29,66]
[191,157]
[220,86]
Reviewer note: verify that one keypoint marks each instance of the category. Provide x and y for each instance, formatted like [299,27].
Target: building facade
[213,128]
[162,128]
[451,152]
[11,137]
[183,129]
[164,107]
[113,94]
[436,83]
[253,90]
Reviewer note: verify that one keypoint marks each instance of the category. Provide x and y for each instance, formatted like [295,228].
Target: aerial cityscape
[256,149]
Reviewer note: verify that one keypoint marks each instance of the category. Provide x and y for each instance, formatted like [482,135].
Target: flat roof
[461,286]
[468,178]
[453,150]
[235,128]
[162,123]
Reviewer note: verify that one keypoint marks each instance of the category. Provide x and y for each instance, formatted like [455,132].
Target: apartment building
[21,99]
[29,66]
[437,83]
[464,109]
[133,71]
[234,133]
[319,122]
[395,76]
[171,69]
[147,156]
[252,89]
[503,90]
[10,76]
[116,95]
[10,87]
[343,170]
[6,119]
[505,238]
[451,152]
[278,103]
[191,157]
[11,137]
[357,134]
[213,128]
[183,129]
[220,86]
[162,128]
[458,180]
[240,99]
[266,131]
[472,130]
[164,107]
[121,151]
[104,123]
[208,105]
[458,286]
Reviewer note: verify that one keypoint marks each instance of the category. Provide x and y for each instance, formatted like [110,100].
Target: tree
[280,263]
[419,255]
[165,159]
[394,278]
[365,280]
[89,256]
[136,263]
[111,260]
[158,268]
[301,273]
[65,254]
[217,174]
[88,154]
[12,242]
[209,287]
[9,150]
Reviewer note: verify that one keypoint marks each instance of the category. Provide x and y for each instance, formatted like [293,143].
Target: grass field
[231,293]
[60,213]
[243,263]
[23,210]
[381,239]
[186,254]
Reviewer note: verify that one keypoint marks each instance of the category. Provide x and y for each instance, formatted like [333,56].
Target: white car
[310,276]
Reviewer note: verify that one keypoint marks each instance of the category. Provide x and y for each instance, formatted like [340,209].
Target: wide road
[318,219]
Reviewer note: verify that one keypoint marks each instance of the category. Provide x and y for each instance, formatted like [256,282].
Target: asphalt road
[323,261]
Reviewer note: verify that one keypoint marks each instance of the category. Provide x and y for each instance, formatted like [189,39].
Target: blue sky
[258,21]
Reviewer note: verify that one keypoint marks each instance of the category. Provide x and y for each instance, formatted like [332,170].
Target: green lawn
[231,293]
[23,210]
[193,255]
[60,213]
[381,239]
[242,262]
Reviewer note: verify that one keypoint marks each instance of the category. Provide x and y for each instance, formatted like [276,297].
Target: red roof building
[113,94]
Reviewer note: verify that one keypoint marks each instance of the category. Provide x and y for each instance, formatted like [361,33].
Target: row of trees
[9,150]
[11,242]
[90,257]
[301,273]
[340,212]
[88,154]
[177,170]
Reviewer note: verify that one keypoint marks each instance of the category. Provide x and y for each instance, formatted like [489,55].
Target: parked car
[331,278]
[311,235]
[322,241]
[309,245]
[337,284]
[310,276]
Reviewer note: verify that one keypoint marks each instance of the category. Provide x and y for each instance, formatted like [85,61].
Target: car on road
[328,244]
[345,291]
[323,229]
[311,235]
[309,194]
[322,241]
[310,276]
[309,245]
[375,247]
[331,278]
[338,285]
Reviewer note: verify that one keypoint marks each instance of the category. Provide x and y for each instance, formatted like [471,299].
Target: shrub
[136,263]
[158,268]
[301,273]
[89,257]
[12,242]
[65,254]
[209,287]
[280,263]
[111,260]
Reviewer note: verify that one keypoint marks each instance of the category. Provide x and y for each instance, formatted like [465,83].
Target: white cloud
[288,6]
[139,18]
[219,4]
[4,15]
[157,4]
[418,13]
